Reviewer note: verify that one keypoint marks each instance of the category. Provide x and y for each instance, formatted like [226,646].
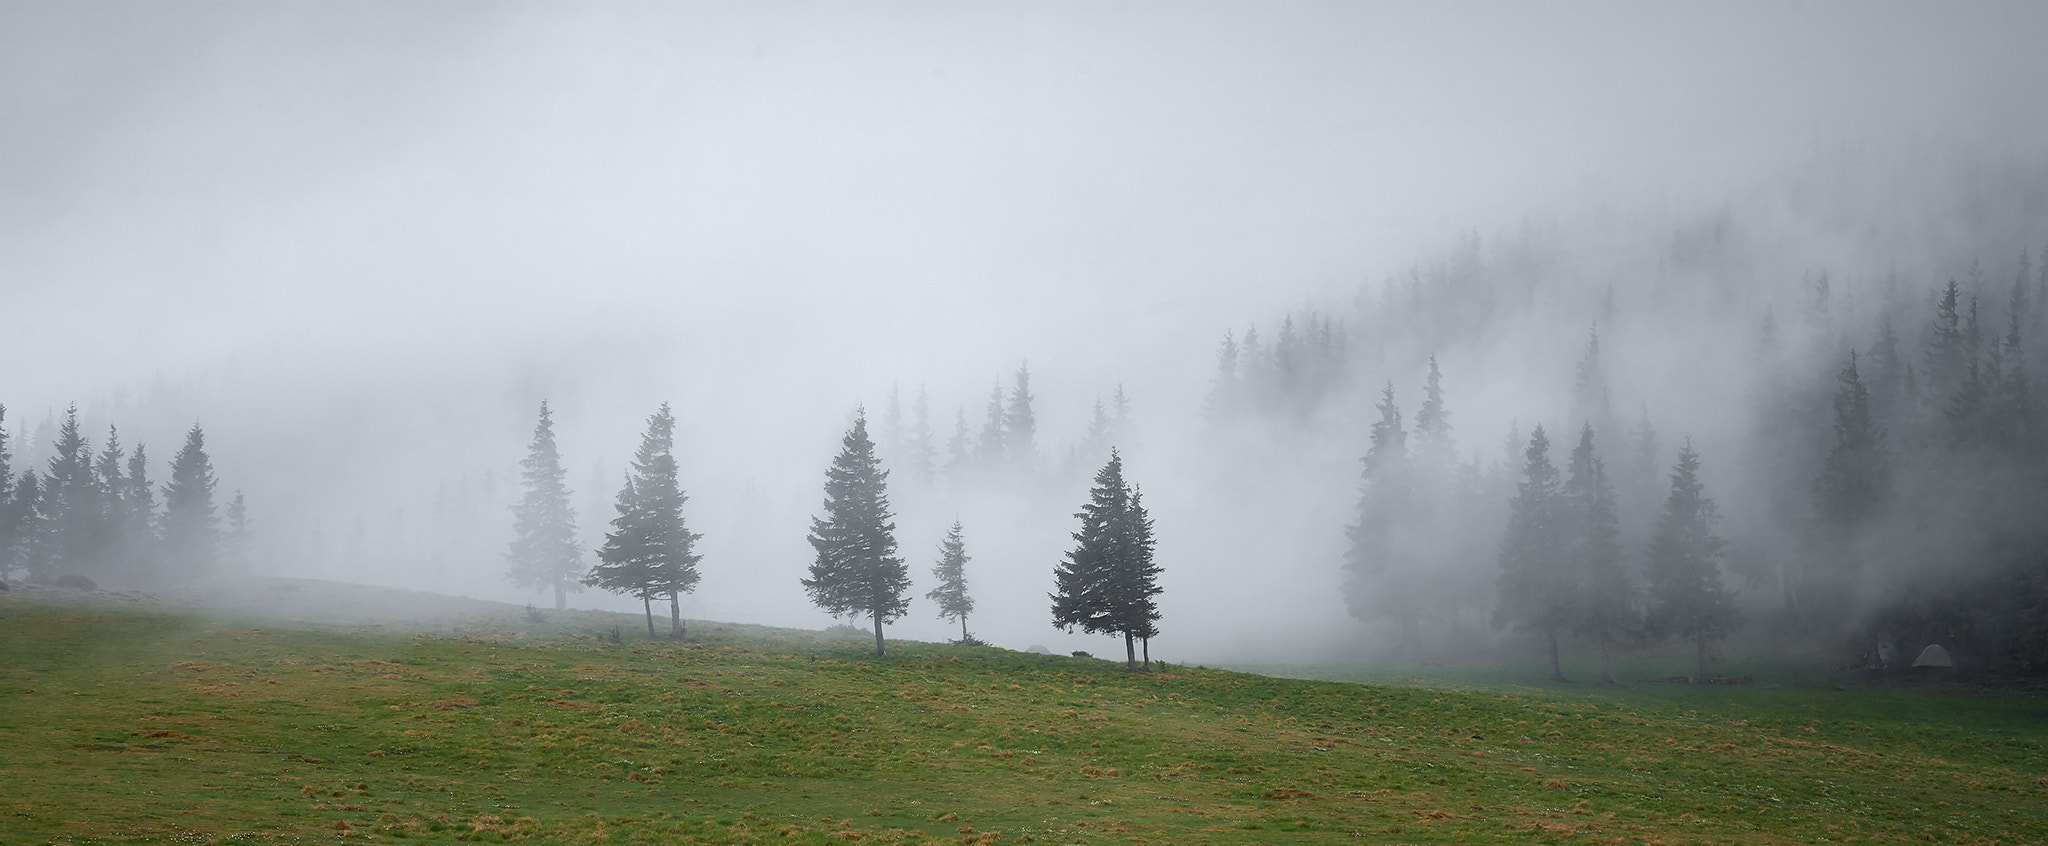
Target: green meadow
[126,725]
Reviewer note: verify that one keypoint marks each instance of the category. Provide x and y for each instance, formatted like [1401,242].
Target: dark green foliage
[951,573]
[1687,597]
[1539,585]
[649,553]
[544,554]
[857,570]
[191,530]
[1107,583]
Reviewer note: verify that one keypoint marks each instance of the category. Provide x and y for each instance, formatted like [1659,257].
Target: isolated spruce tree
[650,553]
[1687,598]
[1539,586]
[856,570]
[191,531]
[1607,605]
[951,573]
[1107,583]
[544,554]
[1853,476]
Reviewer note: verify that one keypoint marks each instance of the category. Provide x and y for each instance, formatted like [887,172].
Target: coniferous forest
[1703,436]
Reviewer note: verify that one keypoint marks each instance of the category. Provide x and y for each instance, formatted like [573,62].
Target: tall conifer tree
[1107,583]
[951,573]
[1687,597]
[857,570]
[1607,604]
[650,552]
[191,529]
[1539,588]
[544,553]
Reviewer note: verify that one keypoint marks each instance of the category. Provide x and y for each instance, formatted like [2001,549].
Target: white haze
[361,242]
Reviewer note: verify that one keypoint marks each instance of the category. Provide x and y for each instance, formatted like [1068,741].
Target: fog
[361,243]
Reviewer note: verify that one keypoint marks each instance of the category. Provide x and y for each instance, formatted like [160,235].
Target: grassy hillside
[119,724]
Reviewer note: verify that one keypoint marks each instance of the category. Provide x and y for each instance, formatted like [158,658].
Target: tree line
[93,516]
[1890,479]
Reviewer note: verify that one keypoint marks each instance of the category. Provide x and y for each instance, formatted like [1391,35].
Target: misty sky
[361,241]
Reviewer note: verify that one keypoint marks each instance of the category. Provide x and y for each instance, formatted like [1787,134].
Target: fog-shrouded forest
[1424,334]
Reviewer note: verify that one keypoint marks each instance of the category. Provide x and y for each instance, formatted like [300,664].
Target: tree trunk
[1702,642]
[1607,662]
[1148,655]
[963,628]
[561,595]
[879,651]
[1556,672]
[675,617]
[1130,653]
[647,604]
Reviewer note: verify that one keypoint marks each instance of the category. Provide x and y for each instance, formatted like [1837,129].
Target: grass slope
[130,725]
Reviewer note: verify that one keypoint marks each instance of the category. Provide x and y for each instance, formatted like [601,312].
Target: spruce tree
[10,522]
[856,570]
[1591,401]
[1538,585]
[650,552]
[1107,583]
[72,504]
[544,554]
[1433,444]
[1607,605]
[140,534]
[1379,573]
[951,573]
[1853,476]
[1687,597]
[234,542]
[959,450]
[118,518]
[917,447]
[1020,424]
[989,450]
[31,548]
[191,531]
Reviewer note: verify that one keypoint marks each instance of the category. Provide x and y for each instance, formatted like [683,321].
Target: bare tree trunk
[647,604]
[1556,672]
[1130,653]
[675,617]
[879,651]
[1148,655]
[963,628]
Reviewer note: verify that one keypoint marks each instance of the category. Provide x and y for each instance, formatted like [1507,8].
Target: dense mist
[361,244]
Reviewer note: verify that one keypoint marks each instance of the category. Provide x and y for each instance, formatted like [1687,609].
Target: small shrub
[535,615]
[1082,654]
